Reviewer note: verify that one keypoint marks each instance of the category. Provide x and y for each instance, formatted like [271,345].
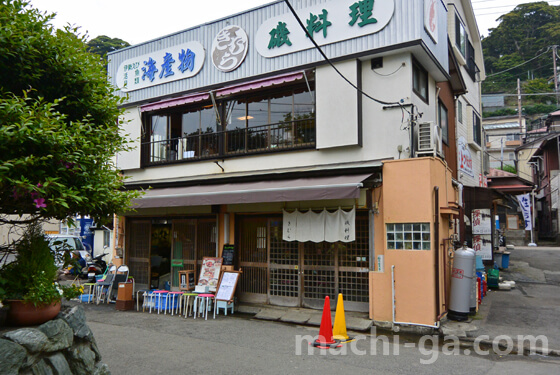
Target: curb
[526,350]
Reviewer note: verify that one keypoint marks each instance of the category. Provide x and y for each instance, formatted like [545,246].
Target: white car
[63,242]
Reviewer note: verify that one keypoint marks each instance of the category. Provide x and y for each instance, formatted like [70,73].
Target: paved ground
[531,309]
[141,343]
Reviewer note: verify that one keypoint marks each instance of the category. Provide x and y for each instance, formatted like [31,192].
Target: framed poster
[482,245]
[186,280]
[512,222]
[228,283]
[481,221]
[210,272]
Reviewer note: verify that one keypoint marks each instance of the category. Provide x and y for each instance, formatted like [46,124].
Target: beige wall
[408,196]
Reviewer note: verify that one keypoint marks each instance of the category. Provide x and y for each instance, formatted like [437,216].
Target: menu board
[210,272]
[226,290]
[228,253]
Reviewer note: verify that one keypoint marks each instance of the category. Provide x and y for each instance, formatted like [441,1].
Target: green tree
[102,45]
[536,86]
[522,34]
[59,123]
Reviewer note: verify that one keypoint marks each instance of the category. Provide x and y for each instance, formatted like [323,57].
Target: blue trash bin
[505,260]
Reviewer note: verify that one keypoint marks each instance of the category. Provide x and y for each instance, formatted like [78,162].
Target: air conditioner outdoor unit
[429,139]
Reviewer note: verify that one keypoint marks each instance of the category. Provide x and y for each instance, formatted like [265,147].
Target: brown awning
[300,189]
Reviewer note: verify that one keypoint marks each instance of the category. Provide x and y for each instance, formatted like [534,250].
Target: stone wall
[64,345]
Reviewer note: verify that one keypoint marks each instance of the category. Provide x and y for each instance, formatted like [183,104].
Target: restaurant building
[324,165]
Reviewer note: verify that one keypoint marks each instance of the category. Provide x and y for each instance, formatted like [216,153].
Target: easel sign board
[210,272]
[186,280]
[228,254]
[228,283]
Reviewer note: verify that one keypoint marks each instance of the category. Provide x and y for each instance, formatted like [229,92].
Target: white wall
[338,127]
[472,99]
[131,126]
[383,129]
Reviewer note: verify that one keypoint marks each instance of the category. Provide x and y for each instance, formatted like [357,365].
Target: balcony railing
[284,136]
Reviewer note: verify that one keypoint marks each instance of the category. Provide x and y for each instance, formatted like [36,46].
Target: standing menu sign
[228,283]
[210,272]
[228,254]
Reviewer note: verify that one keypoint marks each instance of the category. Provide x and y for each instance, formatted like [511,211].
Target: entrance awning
[300,189]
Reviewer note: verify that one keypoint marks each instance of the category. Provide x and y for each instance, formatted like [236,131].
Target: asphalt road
[141,343]
[533,306]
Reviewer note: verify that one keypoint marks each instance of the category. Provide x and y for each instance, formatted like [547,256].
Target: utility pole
[519,106]
[555,72]
[502,155]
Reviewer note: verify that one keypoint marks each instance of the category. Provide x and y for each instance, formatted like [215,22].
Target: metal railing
[277,137]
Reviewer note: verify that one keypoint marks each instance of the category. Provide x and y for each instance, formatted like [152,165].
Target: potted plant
[28,285]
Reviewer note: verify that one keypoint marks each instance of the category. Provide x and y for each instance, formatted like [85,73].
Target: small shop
[247,139]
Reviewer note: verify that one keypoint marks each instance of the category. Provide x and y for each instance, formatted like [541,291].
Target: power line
[523,63]
[534,94]
[332,65]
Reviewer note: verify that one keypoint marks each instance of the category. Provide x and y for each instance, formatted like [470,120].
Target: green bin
[493,278]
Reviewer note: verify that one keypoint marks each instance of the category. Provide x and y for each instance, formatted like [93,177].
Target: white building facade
[241,122]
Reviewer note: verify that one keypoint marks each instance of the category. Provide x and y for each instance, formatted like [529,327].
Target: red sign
[457,273]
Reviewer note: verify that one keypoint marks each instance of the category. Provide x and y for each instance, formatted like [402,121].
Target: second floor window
[443,122]
[461,37]
[477,129]
[420,81]
[264,121]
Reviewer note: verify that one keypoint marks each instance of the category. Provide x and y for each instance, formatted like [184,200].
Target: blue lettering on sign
[186,60]
[166,66]
[150,71]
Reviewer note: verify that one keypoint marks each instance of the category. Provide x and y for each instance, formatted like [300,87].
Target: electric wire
[389,74]
[334,67]
[523,63]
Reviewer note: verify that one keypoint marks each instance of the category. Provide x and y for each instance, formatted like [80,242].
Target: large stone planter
[27,314]
[63,345]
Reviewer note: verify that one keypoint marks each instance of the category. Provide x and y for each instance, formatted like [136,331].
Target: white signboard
[329,22]
[227,286]
[465,158]
[482,245]
[481,221]
[163,66]
[430,18]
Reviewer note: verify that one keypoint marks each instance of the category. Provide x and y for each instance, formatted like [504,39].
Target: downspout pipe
[436,325]
[436,246]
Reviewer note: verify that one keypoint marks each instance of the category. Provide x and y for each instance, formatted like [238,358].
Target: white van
[64,242]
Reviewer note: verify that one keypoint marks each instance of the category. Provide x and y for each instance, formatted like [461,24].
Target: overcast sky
[137,21]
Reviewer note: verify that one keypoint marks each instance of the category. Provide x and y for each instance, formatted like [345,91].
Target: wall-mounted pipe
[436,325]
[436,245]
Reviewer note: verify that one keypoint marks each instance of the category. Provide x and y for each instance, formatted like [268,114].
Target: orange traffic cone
[339,329]
[325,339]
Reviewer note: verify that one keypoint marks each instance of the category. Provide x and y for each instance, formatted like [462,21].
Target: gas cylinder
[473,301]
[462,277]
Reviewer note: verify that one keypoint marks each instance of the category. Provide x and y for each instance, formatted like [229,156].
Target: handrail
[275,137]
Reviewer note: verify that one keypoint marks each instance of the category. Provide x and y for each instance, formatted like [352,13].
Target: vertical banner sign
[525,204]
[482,233]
